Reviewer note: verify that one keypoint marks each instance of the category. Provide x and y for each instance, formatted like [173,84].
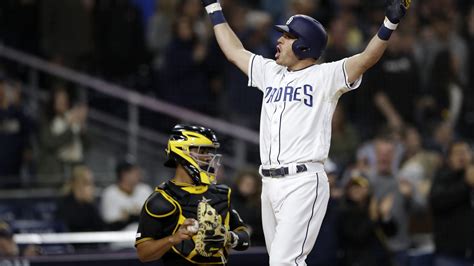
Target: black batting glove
[396,9]
[208,2]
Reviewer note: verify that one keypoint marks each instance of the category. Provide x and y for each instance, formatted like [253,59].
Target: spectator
[15,133]
[246,200]
[442,135]
[77,209]
[365,223]
[8,247]
[443,102]
[451,201]
[385,183]
[122,201]
[192,10]
[395,78]
[436,36]
[366,153]
[62,138]
[418,165]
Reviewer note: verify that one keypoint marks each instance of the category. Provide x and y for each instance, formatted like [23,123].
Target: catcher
[189,220]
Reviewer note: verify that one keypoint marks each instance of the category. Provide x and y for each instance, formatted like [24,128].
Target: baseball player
[189,220]
[299,98]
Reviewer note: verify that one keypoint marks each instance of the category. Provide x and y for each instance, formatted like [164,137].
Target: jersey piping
[309,222]
[279,131]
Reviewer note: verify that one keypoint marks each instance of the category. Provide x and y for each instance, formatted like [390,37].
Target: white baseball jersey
[297,109]
[295,127]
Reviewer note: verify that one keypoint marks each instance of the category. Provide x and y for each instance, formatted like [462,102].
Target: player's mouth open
[277,52]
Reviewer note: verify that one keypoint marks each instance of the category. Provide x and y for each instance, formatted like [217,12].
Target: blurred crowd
[150,45]
[401,159]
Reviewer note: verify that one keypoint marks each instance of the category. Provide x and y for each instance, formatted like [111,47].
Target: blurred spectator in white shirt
[121,202]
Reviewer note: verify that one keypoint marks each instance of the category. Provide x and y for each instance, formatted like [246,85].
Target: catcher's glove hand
[396,9]
[212,236]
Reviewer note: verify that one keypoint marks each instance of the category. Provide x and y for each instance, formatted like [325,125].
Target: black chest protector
[185,201]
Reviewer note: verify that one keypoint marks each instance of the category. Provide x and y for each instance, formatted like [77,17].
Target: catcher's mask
[195,148]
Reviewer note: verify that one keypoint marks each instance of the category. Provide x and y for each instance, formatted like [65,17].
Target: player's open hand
[184,231]
[396,9]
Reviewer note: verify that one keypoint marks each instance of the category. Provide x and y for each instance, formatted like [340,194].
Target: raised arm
[230,45]
[359,63]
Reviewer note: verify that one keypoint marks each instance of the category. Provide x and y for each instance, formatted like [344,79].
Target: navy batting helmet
[310,34]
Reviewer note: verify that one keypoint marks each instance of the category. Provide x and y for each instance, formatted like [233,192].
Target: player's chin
[279,61]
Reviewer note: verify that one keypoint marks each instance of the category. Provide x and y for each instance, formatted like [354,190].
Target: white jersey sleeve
[261,69]
[336,78]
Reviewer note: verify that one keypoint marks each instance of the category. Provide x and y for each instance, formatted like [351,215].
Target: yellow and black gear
[212,235]
[195,148]
[172,203]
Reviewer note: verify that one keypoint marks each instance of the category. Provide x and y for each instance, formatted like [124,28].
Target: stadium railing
[245,138]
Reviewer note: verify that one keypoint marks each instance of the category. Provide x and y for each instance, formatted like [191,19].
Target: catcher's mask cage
[195,148]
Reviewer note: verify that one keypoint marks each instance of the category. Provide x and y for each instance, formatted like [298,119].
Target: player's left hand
[396,9]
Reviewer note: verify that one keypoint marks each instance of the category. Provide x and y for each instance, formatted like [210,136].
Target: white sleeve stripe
[354,84]
[251,70]
[345,75]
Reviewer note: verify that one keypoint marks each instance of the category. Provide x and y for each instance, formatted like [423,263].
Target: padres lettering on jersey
[297,109]
[290,94]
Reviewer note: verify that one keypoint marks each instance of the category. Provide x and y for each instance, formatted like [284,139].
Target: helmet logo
[290,20]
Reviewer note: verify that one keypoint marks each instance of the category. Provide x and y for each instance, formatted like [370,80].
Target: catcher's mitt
[212,235]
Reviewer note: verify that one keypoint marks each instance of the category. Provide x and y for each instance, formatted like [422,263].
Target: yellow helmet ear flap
[171,161]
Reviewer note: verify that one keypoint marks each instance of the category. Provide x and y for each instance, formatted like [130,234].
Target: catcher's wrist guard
[243,240]
[232,239]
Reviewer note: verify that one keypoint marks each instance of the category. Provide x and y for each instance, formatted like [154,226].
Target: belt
[282,171]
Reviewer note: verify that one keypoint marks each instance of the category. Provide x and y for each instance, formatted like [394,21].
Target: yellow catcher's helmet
[195,148]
